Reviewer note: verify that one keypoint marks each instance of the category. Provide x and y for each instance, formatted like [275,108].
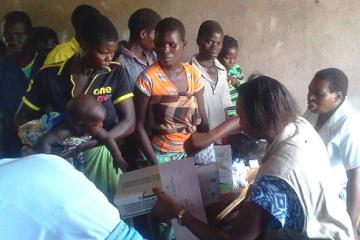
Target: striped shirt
[173,114]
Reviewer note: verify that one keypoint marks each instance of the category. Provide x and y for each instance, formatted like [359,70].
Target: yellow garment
[62,52]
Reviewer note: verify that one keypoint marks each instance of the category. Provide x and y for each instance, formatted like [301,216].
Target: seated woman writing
[169,95]
[290,197]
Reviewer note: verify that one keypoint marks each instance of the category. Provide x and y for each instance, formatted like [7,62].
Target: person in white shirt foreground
[338,125]
[43,197]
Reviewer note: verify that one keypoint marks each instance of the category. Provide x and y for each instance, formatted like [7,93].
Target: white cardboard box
[177,179]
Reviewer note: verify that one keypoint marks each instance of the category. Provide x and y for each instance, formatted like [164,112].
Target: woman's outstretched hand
[199,141]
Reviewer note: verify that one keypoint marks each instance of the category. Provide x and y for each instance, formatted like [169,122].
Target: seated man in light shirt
[338,125]
[44,197]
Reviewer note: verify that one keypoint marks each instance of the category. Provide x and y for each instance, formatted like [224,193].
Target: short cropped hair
[17,16]
[209,27]
[84,107]
[142,19]
[228,43]
[267,104]
[98,29]
[337,79]
[170,24]
[82,13]
[42,34]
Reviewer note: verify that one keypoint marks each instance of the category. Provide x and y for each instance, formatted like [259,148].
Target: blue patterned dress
[279,199]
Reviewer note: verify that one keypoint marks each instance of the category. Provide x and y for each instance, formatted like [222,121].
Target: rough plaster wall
[287,39]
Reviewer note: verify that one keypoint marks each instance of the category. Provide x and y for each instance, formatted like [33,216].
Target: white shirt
[216,94]
[341,135]
[44,197]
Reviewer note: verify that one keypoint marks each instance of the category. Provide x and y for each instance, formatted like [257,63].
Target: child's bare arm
[105,138]
[54,135]
[88,145]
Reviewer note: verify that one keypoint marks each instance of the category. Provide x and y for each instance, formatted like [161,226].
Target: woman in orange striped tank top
[168,98]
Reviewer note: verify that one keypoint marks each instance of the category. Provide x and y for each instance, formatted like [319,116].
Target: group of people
[140,104]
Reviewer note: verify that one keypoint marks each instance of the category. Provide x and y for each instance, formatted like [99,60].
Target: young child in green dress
[227,57]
